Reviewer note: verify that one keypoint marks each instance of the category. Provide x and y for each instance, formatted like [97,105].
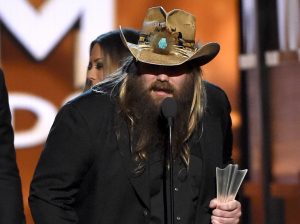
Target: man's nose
[162,77]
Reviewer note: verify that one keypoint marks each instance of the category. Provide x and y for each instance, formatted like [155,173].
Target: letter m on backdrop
[39,31]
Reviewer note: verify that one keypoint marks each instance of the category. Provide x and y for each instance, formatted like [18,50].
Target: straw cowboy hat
[168,39]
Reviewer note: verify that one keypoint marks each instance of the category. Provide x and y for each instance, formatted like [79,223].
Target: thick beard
[149,127]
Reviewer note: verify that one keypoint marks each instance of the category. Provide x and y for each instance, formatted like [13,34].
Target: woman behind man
[107,53]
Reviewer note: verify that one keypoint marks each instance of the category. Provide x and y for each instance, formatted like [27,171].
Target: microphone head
[169,107]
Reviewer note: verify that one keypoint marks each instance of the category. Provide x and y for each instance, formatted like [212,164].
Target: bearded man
[105,157]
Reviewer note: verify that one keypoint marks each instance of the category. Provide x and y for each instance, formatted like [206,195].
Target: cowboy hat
[168,39]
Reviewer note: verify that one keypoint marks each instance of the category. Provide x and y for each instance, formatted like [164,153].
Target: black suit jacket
[85,171]
[11,205]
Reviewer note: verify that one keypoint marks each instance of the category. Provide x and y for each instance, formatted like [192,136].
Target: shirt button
[178,218]
[145,212]
[176,189]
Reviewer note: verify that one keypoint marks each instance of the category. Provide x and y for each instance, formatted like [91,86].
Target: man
[104,160]
[11,204]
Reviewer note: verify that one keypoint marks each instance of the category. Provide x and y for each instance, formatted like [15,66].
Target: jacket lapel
[139,182]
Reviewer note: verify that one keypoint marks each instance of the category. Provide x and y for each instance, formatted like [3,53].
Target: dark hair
[114,51]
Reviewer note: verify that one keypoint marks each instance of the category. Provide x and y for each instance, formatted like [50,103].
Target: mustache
[162,86]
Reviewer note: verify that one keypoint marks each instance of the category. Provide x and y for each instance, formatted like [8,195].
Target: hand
[225,212]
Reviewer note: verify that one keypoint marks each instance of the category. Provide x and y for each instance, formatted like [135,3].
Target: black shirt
[185,192]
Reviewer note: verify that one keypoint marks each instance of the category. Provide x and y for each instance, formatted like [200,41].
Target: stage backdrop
[44,53]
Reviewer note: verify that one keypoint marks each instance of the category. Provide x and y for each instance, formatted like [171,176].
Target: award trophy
[229,181]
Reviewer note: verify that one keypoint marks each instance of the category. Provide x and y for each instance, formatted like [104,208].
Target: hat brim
[145,54]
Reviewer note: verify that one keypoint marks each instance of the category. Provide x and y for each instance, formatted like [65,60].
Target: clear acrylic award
[229,181]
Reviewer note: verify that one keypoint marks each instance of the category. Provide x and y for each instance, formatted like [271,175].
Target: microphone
[169,109]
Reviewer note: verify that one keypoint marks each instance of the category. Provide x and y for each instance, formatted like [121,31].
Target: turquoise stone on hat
[162,44]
